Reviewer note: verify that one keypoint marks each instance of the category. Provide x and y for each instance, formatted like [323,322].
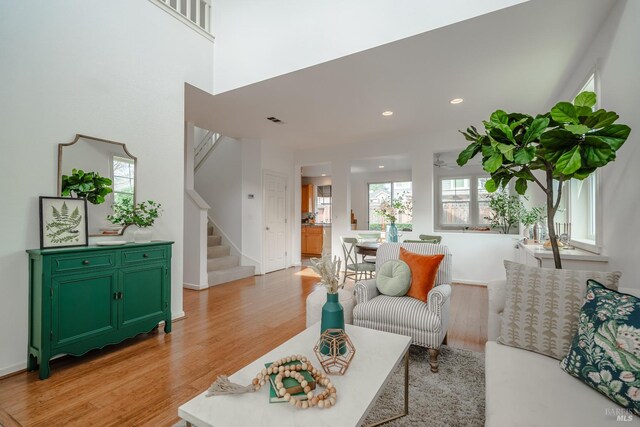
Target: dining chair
[353,268]
[438,239]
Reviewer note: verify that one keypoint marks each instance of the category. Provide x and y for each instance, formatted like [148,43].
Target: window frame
[474,205]
[590,245]
[392,190]
[113,178]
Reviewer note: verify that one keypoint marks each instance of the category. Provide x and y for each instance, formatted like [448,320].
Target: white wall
[115,70]
[360,191]
[257,39]
[219,182]
[252,207]
[615,51]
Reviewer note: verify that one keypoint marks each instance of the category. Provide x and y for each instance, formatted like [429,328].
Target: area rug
[452,397]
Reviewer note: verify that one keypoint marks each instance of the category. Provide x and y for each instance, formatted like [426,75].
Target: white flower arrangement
[329,272]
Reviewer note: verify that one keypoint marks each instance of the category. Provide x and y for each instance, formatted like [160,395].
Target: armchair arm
[365,291]
[437,298]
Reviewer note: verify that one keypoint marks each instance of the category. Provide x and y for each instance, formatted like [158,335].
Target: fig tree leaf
[585,99]
[536,129]
[564,112]
[569,162]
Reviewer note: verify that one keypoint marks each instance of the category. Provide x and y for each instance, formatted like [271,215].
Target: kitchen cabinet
[307,198]
[312,240]
[88,297]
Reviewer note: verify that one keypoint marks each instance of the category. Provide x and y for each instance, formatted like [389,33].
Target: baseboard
[469,282]
[194,287]
[13,370]
[177,316]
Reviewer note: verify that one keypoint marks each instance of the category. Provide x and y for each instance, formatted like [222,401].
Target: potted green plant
[569,142]
[391,210]
[506,211]
[531,217]
[85,185]
[143,215]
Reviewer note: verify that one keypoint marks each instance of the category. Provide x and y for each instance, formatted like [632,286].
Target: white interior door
[275,220]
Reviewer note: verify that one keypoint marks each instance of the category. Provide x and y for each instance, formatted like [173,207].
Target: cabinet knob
[85,262]
[145,255]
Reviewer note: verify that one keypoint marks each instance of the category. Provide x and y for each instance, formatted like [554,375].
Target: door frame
[287,207]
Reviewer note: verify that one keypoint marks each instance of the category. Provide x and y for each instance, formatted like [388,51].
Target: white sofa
[524,388]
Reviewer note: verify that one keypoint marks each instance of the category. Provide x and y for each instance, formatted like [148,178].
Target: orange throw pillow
[424,269]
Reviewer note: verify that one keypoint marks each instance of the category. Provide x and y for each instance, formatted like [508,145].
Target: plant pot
[142,235]
[392,233]
[332,318]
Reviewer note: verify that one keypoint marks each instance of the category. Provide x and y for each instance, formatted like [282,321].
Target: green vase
[332,318]
[392,233]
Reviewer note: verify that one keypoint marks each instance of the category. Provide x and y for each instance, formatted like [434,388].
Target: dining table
[367,248]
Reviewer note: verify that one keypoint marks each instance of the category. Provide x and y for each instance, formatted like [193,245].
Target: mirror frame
[124,147]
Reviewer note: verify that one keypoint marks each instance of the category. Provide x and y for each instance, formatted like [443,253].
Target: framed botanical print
[63,222]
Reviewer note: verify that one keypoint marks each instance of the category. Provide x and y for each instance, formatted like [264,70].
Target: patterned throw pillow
[543,304]
[605,353]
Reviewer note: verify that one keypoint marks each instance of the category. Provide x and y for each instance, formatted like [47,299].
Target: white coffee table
[377,354]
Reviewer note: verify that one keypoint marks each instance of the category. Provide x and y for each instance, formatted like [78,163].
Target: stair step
[230,274]
[218,251]
[214,240]
[210,230]
[222,263]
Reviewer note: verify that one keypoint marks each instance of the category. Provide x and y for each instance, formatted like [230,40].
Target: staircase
[222,267]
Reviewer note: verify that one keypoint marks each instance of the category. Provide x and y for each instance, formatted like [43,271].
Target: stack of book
[291,385]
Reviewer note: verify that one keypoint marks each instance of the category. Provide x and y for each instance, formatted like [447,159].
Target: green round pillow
[394,278]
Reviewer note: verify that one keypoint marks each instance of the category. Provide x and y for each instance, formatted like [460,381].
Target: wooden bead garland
[326,399]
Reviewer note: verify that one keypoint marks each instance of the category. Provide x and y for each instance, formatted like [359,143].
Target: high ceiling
[516,59]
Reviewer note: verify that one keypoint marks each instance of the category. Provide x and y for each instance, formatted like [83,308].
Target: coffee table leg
[406,395]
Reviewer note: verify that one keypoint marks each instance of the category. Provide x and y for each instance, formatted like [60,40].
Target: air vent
[275,120]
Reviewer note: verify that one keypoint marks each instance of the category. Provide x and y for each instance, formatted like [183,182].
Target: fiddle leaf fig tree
[569,142]
[86,185]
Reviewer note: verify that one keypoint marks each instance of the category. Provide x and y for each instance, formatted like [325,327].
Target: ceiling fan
[439,163]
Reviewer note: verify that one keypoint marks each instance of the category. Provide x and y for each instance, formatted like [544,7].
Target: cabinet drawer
[82,262]
[143,255]
[314,230]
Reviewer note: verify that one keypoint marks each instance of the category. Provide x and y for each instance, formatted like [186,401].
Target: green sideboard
[89,297]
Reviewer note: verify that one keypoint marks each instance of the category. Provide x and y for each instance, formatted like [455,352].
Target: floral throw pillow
[605,353]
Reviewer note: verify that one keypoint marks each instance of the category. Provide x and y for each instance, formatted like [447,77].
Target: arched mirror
[103,172]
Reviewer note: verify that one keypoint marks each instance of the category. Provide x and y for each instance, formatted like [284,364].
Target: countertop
[576,254]
[316,225]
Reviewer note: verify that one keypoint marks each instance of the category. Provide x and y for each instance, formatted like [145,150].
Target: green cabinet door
[83,307]
[143,294]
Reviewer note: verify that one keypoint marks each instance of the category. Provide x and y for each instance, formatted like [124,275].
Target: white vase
[142,235]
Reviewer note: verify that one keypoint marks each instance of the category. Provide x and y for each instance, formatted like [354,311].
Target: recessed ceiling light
[387,113]
[381,167]
[456,101]
[324,174]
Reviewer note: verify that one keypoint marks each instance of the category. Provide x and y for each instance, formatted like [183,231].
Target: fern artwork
[63,222]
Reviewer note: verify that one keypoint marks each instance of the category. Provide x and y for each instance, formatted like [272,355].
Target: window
[390,192]
[578,212]
[123,180]
[323,204]
[462,201]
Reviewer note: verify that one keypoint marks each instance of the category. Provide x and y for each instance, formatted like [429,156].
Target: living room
[342,95]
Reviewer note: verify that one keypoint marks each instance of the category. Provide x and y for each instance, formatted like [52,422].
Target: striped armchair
[426,323]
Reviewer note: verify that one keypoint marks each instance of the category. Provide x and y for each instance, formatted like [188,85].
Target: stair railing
[204,149]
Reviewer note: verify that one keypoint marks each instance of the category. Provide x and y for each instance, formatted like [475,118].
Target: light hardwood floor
[143,380]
